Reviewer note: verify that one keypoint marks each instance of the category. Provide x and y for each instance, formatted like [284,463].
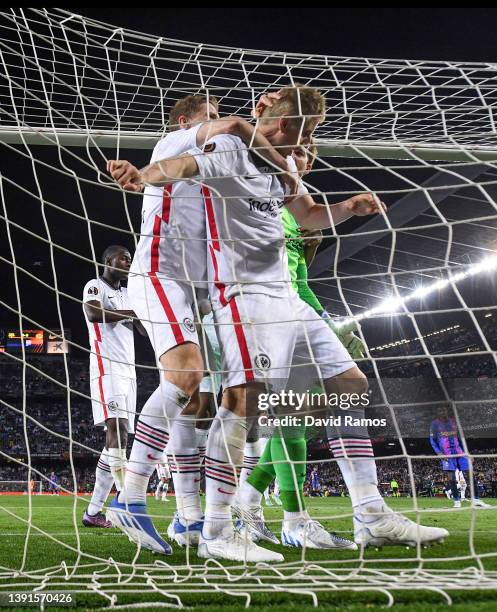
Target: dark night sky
[445,34]
[466,34]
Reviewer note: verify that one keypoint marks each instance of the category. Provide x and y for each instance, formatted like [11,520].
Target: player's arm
[433,441]
[139,326]
[305,292]
[312,240]
[171,170]
[345,333]
[97,314]
[312,216]
[217,160]
[236,126]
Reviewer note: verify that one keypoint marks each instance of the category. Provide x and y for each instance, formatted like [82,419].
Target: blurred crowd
[54,415]
[428,477]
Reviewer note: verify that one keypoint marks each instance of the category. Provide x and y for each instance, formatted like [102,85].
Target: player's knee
[236,399]
[359,383]
[207,406]
[184,367]
[188,380]
[352,381]
[117,433]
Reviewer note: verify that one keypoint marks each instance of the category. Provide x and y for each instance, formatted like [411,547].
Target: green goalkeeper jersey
[298,274]
[296,261]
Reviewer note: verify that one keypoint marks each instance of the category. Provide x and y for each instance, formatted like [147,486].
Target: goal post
[419,279]
[381,150]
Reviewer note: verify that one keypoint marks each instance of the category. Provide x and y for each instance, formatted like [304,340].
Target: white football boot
[311,534]
[233,547]
[388,528]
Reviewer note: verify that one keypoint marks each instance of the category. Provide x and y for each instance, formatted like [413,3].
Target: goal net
[419,281]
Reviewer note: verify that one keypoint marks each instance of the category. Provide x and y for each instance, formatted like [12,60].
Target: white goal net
[420,280]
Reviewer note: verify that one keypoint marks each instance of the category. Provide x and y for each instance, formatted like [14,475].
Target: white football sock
[201,442]
[251,455]
[224,455]
[117,464]
[249,496]
[356,462]
[151,438]
[292,519]
[103,484]
[184,461]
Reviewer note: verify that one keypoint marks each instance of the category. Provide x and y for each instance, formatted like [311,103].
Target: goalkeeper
[285,453]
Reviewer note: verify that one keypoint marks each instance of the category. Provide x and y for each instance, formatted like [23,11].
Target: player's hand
[266,100]
[345,333]
[290,182]
[127,175]
[354,345]
[366,204]
[312,238]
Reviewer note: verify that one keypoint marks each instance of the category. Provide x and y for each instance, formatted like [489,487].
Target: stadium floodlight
[393,304]
[390,304]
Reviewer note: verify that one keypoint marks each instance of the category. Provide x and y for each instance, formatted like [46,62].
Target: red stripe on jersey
[214,236]
[242,342]
[171,317]
[96,329]
[211,219]
[164,217]
[100,368]
[166,202]
[220,286]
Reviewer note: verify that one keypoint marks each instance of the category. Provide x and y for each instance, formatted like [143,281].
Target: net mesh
[421,134]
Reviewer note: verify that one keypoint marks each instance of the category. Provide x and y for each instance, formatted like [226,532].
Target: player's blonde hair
[189,106]
[297,101]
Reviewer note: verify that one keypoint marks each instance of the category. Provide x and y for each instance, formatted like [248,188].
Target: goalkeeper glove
[345,333]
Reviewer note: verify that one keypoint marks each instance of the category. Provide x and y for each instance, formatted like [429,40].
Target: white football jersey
[173,235]
[163,470]
[112,344]
[243,202]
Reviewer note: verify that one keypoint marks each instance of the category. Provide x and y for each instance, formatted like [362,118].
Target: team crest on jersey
[209,147]
[113,406]
[92,291]
[262,361]
[182,400]
[188,324]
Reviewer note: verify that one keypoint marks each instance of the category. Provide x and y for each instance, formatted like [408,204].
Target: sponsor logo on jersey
[262,361]
[270,207]
[92,290]
[188,324]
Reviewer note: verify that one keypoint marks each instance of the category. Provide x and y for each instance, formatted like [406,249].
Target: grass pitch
[47,539]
